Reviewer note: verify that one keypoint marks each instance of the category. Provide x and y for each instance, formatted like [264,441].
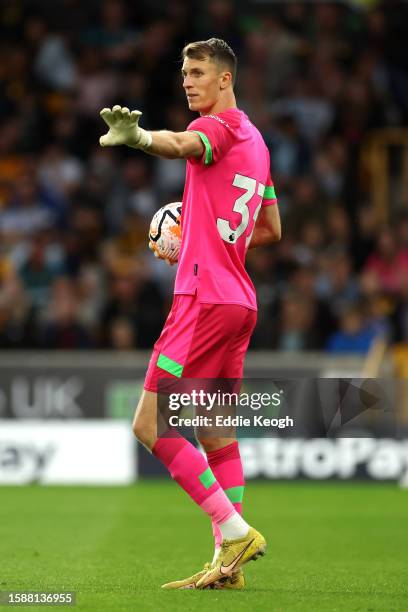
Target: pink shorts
[201,341]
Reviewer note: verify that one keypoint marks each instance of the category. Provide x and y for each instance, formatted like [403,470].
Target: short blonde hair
[216,49]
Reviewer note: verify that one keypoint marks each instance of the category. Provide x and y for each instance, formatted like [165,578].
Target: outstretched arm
[173,145]
[124,129]
[267,227]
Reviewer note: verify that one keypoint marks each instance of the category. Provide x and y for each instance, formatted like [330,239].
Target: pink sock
[188,467]
[226,466]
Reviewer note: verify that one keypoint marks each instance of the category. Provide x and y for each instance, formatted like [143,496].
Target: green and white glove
[124,128]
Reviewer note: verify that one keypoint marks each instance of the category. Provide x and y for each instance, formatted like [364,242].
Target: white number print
[249,186]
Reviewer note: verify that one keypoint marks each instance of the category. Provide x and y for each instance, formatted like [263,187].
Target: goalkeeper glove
[124,128]
[169,262]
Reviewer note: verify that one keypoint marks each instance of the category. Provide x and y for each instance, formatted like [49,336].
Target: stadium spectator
[53,61]
[60,171]
[388,265]
[97,83]
[113,37]
[136,299]
[62,328]
[304,279]
[18,317]
[336,283]
[354,335]
[30,209]
[41,264]
[131,192]
[297,329]
[122,335]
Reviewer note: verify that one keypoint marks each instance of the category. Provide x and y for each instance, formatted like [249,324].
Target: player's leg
[223,454]
[227,330]
[225,477]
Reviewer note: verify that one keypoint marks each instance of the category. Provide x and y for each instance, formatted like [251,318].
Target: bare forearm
[165,144]
[263,237]
[267,228]
[174,145]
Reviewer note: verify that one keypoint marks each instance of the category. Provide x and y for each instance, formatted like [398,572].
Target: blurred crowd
[315,78]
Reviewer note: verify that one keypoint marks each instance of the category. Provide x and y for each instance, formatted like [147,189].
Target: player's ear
[225,80]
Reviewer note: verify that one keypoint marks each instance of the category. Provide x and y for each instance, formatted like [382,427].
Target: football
[165,232]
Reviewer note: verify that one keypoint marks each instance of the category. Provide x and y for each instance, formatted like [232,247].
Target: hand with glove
[156,253]
[124,129]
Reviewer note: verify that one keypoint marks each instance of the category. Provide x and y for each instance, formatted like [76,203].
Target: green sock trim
[235,494]
[269,193]
[208,150]
[165,363]
[207,478]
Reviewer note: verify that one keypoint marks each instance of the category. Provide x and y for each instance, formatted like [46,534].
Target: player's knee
[144,424]
[136,427]
[139,429]
[143,432]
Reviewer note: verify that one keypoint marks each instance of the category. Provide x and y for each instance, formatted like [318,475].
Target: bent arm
[267,228]
[173,145]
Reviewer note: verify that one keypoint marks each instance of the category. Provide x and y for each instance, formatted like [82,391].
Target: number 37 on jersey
[250,187]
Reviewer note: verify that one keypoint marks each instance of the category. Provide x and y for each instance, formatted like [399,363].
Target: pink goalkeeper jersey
[223,194]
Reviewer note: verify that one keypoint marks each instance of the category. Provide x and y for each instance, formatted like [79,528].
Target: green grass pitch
[331,547]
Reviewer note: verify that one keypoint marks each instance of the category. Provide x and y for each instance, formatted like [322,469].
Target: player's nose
[187,83]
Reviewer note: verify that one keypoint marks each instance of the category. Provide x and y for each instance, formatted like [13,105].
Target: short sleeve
[216,137]
[269,196]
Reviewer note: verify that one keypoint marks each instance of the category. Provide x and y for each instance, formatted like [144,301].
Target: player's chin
[193,104]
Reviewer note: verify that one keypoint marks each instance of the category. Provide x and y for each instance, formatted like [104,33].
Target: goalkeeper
[229,205]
